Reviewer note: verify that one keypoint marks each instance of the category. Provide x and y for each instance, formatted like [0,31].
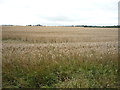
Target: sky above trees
[59,12]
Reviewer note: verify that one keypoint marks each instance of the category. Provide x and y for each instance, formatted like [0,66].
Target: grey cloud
[59,18]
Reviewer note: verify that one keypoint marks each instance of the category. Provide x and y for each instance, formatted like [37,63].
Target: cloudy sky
[59,12]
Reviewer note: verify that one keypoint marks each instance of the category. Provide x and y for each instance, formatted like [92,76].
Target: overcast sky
[59,12]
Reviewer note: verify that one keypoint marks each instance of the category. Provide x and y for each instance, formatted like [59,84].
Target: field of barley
[59,57]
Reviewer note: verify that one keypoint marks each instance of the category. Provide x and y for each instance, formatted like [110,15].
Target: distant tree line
[103,26]
[7,25]
[115,26]
[34,25]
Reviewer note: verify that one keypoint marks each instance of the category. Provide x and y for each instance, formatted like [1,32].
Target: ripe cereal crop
[59,57]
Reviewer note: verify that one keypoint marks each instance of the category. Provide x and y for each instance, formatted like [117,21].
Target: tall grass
[50,67]
[60,65]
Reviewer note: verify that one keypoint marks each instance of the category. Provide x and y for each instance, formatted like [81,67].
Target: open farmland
[65,57]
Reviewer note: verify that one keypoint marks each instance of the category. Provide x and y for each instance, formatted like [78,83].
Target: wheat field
[59,57]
